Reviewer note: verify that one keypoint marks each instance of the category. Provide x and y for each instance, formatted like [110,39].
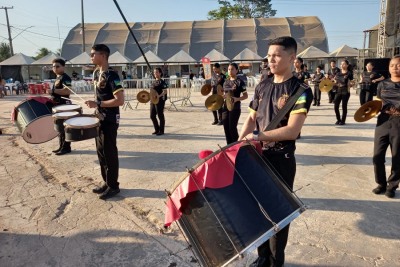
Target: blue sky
[344,20]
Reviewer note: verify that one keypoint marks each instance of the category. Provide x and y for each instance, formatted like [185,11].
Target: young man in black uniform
[387,131]
[369,82]
[109,96]
[217,79]
[331,75]
[57,94]
[278,144]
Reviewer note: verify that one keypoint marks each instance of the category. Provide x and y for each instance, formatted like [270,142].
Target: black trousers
[217,115]
[63,144]
[158,110]
[331,95]
[365,96]
[107,152]
[317,94]
[273,250]
[344,99]
[230,121]
[387,133]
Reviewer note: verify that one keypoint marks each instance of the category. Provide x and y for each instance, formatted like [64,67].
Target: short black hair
[233,64]
[160,71]
[332,60]
[217,65]
[370,62]
[102,48]
[300,59]
[265,60]
[59,61]
[288,42]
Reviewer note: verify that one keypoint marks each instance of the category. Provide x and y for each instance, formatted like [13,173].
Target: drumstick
[72,99]
[74,93]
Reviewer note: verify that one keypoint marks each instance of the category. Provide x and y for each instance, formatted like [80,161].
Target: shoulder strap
[289,105]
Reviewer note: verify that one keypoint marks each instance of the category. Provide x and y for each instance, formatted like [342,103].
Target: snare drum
[230,203]
[33,119]
[65,108]
[60,117]
[81,128]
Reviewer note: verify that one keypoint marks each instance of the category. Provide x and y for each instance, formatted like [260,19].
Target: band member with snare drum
[158,109]
[331,74]
[343,81]
[58,94]
[278,144]
[234,91]
[109,96]
[369,82]
[387,131]
[217,78]
[318,76]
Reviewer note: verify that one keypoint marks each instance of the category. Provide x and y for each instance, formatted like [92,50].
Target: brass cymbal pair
[206,89]
[368,111]
[214,102]
[144,96]
[325,85]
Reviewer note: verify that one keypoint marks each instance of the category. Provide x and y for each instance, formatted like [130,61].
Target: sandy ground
[49,217]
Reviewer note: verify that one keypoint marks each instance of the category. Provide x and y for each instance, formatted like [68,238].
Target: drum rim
[77,107]
[88,126]
[57,115]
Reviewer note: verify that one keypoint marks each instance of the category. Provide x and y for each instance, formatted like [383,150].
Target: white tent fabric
[216,56]
[118,58]
[17,60]
[197,38]
[46,60]
[313,52]
[181,57]
[82,59]
[344,51]
[247,55]
[151,58]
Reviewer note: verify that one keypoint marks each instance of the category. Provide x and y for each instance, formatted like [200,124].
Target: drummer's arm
[117,101]
[289,132]
[248,126]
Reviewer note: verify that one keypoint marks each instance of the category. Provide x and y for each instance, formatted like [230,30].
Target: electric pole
[8,27]
[83,29]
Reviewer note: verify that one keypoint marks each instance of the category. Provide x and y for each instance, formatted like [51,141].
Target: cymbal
[229,101]
[206,89]
[154,96]
[220,90]
[368,111]
[214,102]
[143,96]
[325,85]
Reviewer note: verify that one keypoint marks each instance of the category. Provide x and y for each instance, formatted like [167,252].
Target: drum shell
[75,134]
[59,122]
[208,214]
[34,121]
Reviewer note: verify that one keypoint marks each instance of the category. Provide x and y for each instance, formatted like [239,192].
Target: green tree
[42,53]
[5,51]
[242,9]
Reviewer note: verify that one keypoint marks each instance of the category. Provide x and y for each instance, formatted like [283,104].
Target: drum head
[82,122]
[65,115]
[40,130]
[64,108]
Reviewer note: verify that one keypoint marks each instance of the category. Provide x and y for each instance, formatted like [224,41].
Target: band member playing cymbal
[109,96]
[331,74]
[235,91]
[318,76]
[58,94]
[158,109]
[217,78]
[369,82]
[387,132]
[278,144]
[343,81]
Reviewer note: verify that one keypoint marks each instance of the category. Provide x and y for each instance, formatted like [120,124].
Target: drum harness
[272,125]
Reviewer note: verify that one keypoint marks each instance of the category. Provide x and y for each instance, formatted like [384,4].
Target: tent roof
[344,51]
[247,55]
[198,37]
[118,58]
[216,56]
[313,52]
[151,58]
[181,57]
[82,59]
[17,59]
[46,60]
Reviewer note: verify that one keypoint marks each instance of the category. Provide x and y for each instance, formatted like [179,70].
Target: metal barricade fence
[131,89]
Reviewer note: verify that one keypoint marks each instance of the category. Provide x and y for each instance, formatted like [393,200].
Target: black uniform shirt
[389,93]
[342,81]
[270,97]
[318,77]
[332,72]
[236,87]
[217,79]
[159,86]
[107,84]
[367,77]
[301,75]
[59,84]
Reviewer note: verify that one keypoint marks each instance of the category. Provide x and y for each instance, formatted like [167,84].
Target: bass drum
[230,203]
[33,119]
